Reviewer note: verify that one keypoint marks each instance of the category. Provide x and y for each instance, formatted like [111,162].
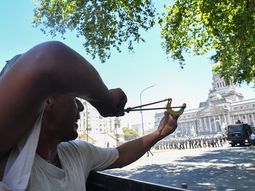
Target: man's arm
[48,69]
[133,150]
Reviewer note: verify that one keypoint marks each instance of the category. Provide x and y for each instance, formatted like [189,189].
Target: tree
[224,26]
[103,24]
[130,134]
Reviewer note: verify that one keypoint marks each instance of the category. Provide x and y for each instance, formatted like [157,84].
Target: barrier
[98,181]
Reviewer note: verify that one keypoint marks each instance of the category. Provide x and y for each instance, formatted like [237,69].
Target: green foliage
[130,134]
[226,26]
[103,24]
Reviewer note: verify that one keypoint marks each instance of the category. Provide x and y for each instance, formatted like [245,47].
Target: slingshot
[168,107]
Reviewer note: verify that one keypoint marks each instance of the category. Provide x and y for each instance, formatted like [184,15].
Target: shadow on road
[215,170]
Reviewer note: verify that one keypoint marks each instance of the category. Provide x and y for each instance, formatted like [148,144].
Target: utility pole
[143,90]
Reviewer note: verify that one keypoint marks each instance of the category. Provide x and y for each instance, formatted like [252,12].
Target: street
[219,168]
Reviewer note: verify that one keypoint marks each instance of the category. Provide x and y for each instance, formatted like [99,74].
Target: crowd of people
[191,142]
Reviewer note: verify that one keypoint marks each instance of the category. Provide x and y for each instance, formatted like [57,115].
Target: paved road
[201,169]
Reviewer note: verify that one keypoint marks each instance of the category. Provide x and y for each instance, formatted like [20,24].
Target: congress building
[224,106]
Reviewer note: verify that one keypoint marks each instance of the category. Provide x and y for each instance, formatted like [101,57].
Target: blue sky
[131,71]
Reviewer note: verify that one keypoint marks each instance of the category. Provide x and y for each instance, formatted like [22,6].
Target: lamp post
[117,126]
[142,103]
[87,122]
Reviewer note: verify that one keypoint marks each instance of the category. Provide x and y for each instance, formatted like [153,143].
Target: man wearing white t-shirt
[38,121]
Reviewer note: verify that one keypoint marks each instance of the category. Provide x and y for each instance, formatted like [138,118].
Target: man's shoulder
[75,149]
[75,146]
[9,64]
[73,143]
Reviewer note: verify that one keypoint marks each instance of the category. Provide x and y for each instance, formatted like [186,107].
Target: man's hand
[119,100]
[167,125]
[114,103]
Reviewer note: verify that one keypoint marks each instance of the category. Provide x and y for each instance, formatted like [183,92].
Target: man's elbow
[46,61]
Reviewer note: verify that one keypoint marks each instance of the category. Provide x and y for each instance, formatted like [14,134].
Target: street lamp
[85,104]
[142,103]
[117,126]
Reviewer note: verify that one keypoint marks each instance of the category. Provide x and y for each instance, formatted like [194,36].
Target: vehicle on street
[239,134]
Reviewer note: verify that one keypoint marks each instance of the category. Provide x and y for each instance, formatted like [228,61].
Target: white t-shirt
[77,158]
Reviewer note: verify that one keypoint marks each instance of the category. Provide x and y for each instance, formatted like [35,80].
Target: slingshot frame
[168,107]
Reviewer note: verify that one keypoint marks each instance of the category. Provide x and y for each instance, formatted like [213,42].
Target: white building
[98,130]
[224,106]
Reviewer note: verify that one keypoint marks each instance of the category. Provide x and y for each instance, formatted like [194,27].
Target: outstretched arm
[48,69]
[133,150]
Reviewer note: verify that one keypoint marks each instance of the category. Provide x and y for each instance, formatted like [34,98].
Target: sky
[133,72]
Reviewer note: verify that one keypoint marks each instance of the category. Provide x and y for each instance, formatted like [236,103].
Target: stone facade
[224,106]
